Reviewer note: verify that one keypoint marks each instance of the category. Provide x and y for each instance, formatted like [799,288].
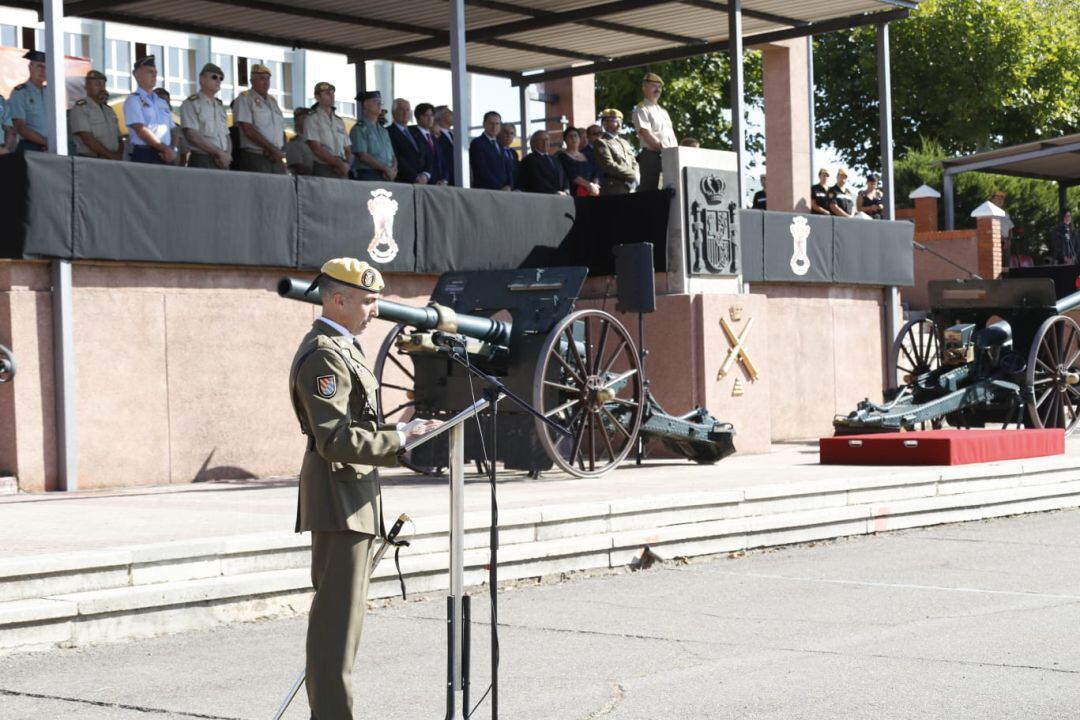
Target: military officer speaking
[334,395]
[28,110]
[615,157]
[262,126]
[93,123]
[206,124]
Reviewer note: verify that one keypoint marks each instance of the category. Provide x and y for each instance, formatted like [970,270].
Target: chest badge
[326,385]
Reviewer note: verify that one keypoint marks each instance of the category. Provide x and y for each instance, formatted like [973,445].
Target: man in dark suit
[541,172]
[422,131]
[507,135]
[444,140]
[491,168]
[414,162]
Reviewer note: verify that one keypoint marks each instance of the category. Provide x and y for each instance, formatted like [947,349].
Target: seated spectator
[424,131]
[298,155]
[690,142]
[579,169]
[841,203]
[870,200]
[759,202]
[1063,241]
[540,172]
[413,160]
[491,168]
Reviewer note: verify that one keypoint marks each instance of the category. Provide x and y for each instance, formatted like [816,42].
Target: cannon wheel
[579,389]
[7,365]
[916,351]
[1051,365]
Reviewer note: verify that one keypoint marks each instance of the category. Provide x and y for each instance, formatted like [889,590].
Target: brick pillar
[787,125]
[577,101]
[926,214]
[988,242]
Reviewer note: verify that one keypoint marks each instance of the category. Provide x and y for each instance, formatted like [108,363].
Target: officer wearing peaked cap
[205,122]
[262,126]
[334,396]
[149,117]
[324,131]
[93,123]
[27,107]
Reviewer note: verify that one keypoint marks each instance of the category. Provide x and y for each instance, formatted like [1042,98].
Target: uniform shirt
[98,119]
[264,115]
[328,129]
[759,201]
[373,139]
[206,116]
[5,118]
[145,108]
[297,152]
[841,197]
[28,103]
[651,116]
[820,195]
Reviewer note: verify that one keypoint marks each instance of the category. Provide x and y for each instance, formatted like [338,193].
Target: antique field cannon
[989,351]
[7,365]
[579,368]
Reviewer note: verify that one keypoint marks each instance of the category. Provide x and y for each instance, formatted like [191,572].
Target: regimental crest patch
[326,385]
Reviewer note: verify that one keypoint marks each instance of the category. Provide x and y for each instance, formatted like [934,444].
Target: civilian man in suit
[539,171]
[507,135]
[414,163]
[422,131]
[444,140]
[490,166]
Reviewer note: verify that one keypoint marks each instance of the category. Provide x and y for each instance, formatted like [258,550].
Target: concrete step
[144,590]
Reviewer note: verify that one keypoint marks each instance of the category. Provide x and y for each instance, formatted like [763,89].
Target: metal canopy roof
[1057,160]
[507,39]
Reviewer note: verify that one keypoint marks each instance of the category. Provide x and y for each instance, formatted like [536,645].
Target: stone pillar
[787,125]
[988,239]
[577,102]
[926,208]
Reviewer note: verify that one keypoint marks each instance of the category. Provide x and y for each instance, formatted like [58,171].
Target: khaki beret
[611,112]
[652,77]
[211,68]
[841,172]
[354,273]
[95,75]
[323,87]
[260,69]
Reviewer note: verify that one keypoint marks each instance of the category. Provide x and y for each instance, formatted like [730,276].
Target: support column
[574,99]
[735,57]
[811,178]
[1063,197]
[787,127]
[950,207]
[885,104]
[360,71]
[523,99]
[460,82]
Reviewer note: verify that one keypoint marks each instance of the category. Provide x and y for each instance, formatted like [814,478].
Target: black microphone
[448,341]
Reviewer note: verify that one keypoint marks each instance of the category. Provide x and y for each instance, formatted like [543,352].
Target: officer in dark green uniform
[333,393]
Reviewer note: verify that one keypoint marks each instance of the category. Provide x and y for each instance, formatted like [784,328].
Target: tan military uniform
[616,160]
[206,116]
[652,117]
[334,394]
[98,119]
[298,156]
[328,129]
[265,116]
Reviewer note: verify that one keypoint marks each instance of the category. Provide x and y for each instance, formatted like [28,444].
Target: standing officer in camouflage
[654,130]
[206,124]
[615,157]
[93,122]
[334,395]
[324,131]
[28,110]
[262,126]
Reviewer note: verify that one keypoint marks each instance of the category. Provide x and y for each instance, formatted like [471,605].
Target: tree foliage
[969,74]
[695,95]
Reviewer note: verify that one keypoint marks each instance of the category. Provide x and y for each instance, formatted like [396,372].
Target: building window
[180,72]
[345,108]
[9,35]
[228,85]
[118,66]
[281,82]
[77,45]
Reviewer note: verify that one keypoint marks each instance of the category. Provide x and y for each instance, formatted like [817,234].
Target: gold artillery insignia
[737,351]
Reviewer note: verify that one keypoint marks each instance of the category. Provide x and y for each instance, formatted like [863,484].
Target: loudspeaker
[635,285]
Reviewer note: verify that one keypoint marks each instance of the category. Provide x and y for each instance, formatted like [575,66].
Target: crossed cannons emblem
[737,351]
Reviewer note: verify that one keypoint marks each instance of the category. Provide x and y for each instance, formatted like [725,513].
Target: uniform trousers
[256,161]
[649,164]
[367,174]
[146,154]
[340,570]
[202,160]
[320,170]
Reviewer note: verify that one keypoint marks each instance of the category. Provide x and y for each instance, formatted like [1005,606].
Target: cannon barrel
[430,317]
[1068,303]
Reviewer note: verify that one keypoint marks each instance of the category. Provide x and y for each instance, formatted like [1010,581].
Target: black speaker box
[635,284]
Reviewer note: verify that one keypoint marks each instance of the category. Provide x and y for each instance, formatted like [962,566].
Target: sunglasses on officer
[215,76]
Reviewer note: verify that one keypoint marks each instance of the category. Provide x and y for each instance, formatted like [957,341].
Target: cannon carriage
[577,367]
[988,352]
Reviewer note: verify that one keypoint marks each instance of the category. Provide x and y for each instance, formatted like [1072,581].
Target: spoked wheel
[589,381]
[916,351]
[7,365]
[397,378]
[1053,378]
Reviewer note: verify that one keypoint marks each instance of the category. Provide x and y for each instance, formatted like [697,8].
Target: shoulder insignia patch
[326,385]
[194,97]
[245,93]
[20,87]
[81,102]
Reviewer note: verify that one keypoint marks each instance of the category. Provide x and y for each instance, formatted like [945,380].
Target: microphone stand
[494,388]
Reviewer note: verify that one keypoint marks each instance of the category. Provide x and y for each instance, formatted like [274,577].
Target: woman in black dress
[580,170]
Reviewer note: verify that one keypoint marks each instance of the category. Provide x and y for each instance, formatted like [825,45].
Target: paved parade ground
[974,620]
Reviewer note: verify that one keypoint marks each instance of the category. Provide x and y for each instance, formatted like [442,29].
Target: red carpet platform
[941,447]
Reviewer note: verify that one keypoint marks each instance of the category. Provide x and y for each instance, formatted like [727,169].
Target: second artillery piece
[579,368]
[989,351]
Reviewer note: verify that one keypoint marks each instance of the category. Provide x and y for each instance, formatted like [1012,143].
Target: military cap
[352,272]
[260,69]
[147,61]
[211,68]
[323,87]
[368,95]
[95,75]
[871,178]
[652,77]
[841,172]
[34,56]
[611,112]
